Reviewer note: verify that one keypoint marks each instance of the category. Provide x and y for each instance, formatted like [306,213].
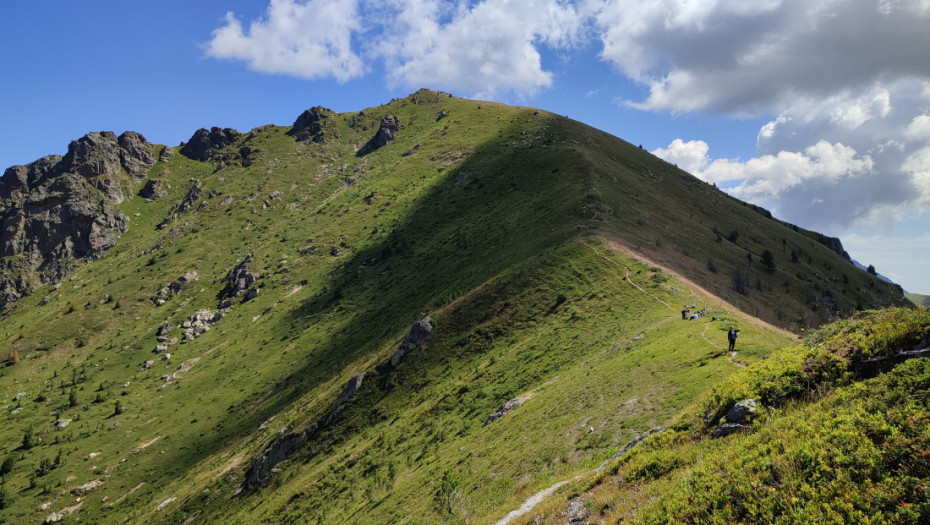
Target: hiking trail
[638,287]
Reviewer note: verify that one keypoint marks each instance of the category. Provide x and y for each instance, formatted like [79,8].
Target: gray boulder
[260,472]
[351,388]
[190,198]
[166,154]
[199,322]
[738,418]
[419,334]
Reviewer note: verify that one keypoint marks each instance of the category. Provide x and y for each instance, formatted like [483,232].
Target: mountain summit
[423,311]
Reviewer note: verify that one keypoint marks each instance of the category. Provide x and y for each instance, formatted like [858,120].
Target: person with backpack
[731,337]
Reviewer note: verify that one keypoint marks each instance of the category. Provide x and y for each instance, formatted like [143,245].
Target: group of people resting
[687,314]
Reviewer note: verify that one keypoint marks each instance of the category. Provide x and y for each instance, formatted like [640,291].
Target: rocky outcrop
[61,209]
[247,152]
[204,145]
[390,125]
[191,198]
[200,321]
[504,409]
[153,189]
[419,333]
[286,445]
[166,154]
[136,155]
[310,125]
[738,418]
[239,280]
[167,292]
[264,465]
[834,244]
[87,487]
[98,157]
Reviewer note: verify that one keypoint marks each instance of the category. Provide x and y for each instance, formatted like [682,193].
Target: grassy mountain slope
[918,299]
[835,443]
[511,227]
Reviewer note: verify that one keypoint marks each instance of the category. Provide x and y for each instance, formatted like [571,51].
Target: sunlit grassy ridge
[830,446]
[511,227]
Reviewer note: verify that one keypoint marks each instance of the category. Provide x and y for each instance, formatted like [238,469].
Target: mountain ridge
[503,224]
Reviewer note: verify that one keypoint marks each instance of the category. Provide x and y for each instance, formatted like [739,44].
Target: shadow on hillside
[498,207]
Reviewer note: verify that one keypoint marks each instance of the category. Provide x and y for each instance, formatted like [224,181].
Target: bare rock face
[390,125]
[309,125]
[58,210]
[135,153]
[204,145]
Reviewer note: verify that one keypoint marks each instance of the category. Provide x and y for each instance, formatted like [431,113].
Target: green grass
[828,447]
[504,224]
[918,299]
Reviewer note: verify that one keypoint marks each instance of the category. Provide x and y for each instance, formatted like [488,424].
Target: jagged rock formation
[389,126]
[834,244]
[309,125]
[239,280]
[58,210]
[204,145]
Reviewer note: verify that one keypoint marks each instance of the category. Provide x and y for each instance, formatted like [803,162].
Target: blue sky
[818,110]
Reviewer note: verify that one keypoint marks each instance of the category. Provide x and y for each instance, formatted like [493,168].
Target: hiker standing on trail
[731,337]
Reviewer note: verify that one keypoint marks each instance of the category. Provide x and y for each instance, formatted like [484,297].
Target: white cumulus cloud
[309,39]
[485,48]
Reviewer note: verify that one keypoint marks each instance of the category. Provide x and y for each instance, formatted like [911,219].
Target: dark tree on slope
[768,261]
[741,280]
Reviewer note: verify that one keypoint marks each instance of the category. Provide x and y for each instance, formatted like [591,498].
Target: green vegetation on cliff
[840,437]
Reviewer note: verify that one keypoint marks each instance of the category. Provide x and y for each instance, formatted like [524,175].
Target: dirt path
[638,287]
[535,499]
[730,356]
[618,245]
